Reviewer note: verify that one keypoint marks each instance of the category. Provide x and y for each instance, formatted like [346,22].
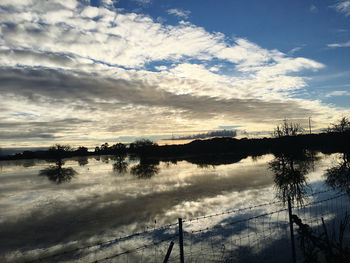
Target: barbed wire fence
[259,233]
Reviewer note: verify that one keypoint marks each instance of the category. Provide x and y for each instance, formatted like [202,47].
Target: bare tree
[288,128]
[60,148]
[343,125]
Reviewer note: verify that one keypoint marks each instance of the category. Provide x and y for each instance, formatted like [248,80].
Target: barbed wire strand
[102,243]
[267,214]
[116,240]
[134,249]
[247,208]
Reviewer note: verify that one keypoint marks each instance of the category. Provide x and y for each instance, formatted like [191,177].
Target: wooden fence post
[181,242]
[168,253]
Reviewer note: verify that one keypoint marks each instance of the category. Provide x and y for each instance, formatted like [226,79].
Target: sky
[86,72]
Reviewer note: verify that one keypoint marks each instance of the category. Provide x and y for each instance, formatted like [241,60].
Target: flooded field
[51,207]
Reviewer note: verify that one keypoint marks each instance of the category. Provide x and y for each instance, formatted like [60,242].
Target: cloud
[130,75]
[338,93]
[143,1]
[127,40]
[32,58]
[114,106]
[343,7]
[335,45]
[294,50]
[313,9]
[342,30]
[179,12]
[161,68]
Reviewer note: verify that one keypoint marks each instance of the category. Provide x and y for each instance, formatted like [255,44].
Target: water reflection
[104,158]
[206,161]
[57,173]
[338,177]
[82,161]
[47,218]
[29,163]
[120,166]
[290,169]
[146,168]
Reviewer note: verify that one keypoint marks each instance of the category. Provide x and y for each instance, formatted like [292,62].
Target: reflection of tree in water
[146,168]
[57,173]
[82,161]
[290,170]
[104,158]
[29,163]
[120,166]
[210,161]
[338,177]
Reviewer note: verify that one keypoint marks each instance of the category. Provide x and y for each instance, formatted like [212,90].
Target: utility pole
[310,124]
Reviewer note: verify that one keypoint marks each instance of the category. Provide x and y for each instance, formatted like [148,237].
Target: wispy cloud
[294,50]
[335,45]
[179,12]
[143,1]
[313,9]
[343,7]
[338,93]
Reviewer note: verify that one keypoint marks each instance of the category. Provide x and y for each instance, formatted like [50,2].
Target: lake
[49,208]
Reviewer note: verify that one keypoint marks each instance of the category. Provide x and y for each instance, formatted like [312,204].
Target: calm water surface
[46,207]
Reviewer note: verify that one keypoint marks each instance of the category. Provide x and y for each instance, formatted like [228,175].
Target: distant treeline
[288,136]
[324,142]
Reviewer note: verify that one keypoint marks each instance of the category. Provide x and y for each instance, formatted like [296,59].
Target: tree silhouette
[104,147]
[338,177]
[343,125]
[59,151]
[287,128]
[81,151]
[118,148]
[142,147]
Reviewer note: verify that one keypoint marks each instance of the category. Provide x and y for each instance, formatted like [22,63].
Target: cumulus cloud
[94,62]
[127,40]
[179,12]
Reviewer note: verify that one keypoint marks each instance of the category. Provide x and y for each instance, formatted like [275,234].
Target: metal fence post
[291,230]
[181,242]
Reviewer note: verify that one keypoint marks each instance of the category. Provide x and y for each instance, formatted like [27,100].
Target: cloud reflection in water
[98,205]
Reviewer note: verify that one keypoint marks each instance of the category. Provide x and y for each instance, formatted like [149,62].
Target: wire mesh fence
[259,233]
